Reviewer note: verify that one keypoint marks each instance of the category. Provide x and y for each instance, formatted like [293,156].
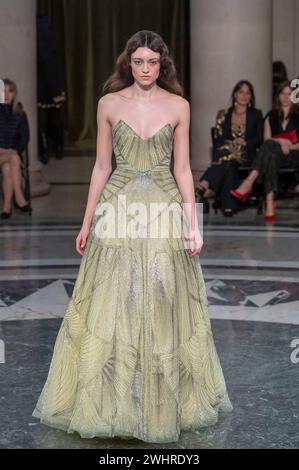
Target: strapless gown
[135,356]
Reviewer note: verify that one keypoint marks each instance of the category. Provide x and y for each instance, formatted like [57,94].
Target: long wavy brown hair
[122,75]
[276,103]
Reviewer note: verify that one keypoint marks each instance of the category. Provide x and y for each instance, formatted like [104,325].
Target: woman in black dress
[14,138]
[280,149]
[237,136]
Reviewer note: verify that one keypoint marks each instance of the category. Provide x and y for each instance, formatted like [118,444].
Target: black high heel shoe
[228,213]
[5,215]
[25,208]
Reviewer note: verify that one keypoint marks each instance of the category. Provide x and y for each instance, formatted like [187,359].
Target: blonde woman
[14,138]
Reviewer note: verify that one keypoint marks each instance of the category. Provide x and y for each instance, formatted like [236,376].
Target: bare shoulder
[180,103]
[110,103]
[108,100]
[116,96]
[103,104]
[181,108]
[179,100]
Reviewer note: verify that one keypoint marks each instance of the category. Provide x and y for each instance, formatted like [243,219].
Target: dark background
[92,33]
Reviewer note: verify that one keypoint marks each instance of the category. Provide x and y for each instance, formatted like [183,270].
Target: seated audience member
[280,149]
[237,136]
[14,137]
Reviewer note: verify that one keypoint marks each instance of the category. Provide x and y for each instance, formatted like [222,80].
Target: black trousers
[268,162]
[50,132]
[221,178]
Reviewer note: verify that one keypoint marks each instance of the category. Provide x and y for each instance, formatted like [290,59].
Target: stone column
[296,64]
[286,34]
[18,62]
[230,40]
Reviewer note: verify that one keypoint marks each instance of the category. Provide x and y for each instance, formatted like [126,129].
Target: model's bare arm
[103,166]
[182,170]
[100,173]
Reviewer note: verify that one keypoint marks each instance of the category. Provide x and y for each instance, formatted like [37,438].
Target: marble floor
[252,278]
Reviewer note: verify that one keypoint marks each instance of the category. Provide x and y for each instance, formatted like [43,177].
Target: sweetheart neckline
[137,135]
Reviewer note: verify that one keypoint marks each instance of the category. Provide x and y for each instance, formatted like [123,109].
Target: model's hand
[81,240]
[195,242]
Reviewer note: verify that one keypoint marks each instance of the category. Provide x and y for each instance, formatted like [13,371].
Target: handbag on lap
[292,136]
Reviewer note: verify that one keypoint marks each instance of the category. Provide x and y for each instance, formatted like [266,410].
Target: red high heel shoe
[240,196]
[270,218]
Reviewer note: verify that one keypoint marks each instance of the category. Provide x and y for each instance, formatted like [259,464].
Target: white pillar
[296,50]
[230,40]
[18,62]
[286,34]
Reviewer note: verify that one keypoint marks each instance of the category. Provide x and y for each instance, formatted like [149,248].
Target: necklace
[238,118]
[239,114]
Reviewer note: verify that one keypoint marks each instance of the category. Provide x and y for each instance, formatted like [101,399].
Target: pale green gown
[135,354]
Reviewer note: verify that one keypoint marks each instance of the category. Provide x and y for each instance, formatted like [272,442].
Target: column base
[38,184]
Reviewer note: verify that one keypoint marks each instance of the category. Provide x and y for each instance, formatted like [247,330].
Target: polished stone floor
[252,279]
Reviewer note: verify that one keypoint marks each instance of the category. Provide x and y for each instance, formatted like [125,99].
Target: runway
[252,281]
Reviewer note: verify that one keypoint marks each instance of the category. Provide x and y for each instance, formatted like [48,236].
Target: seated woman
[239,132]
[14,137]
[280,149]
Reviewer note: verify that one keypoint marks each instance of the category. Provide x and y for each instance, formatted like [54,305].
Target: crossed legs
[10,164]
[222,177]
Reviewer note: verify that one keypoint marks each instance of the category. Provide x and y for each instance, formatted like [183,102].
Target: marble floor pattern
[252,278]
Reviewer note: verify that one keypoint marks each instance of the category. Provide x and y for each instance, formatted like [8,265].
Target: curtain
[92,33]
